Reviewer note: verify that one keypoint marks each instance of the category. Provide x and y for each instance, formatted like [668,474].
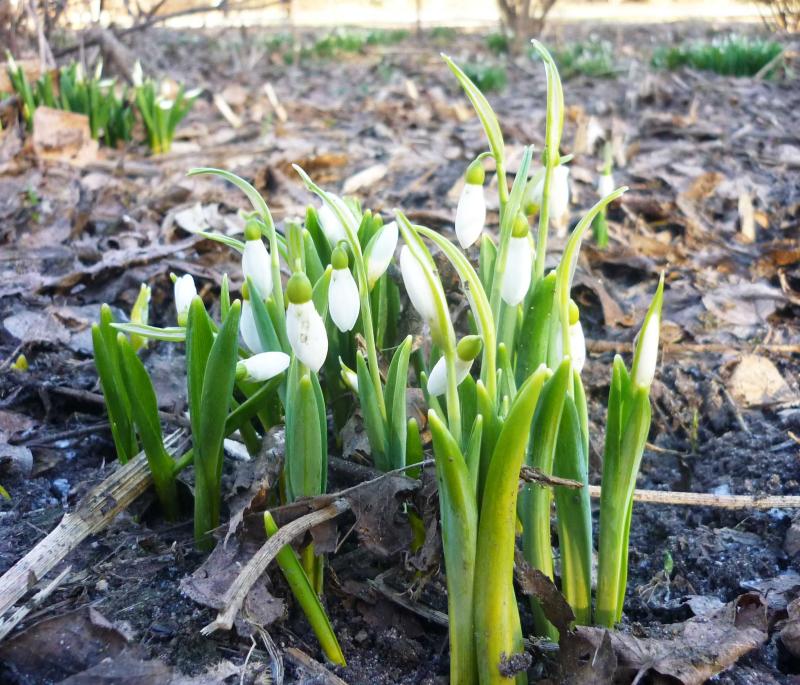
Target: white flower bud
[517,278]
[380,251]
[263,366]
[605,185]
[417,286]
[305,330]
[437,381]
[185,291]
[257,267]
[577,346]
[248,328]
[343,300]
[331,226]
[470,214]
[647,348]
[137,75]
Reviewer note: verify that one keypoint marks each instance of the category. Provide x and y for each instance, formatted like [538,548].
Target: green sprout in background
[730,55]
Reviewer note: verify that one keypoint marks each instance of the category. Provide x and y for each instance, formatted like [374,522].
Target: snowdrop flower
[519,264]
[343,299]
[304,326]
[185,292]
[192,93]
[255,260]
[349,376]
[330,224]
[247,324]
[532,198]
[645,353]
[605,184]
[417,286]
[379,252]
[261,367]
[471,210]
[137,76]
[468,348]
[577,346]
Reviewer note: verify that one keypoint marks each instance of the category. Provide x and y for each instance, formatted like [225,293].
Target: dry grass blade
[702,499]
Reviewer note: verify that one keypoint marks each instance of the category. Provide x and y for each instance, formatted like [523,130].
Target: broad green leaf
[373,421]
[535,334]
[303,440]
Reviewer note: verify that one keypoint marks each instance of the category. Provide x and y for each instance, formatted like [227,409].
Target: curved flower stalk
[627,427]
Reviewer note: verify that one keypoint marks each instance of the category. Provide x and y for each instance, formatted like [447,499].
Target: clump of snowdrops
[111,108]
[507,392]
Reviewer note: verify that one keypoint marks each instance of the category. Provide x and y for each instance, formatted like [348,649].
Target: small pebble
[101,585]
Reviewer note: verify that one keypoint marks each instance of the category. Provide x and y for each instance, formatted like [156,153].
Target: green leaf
[264,325]
[148,424]
[574,511]
[304,593]
[395,396]
[320,292]
[172,334]
[414,453]
[214,401]
[199,339]
[304,443]
[496,617]
[373,421]
[482,108]
[535,334]
[459,515]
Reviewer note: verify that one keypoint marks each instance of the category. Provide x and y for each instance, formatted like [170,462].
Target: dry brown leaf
[60,136]
[757,381]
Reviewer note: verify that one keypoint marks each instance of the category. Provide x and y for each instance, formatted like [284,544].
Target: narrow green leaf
[172,334]
[395,396]
[303,439]
[373,421]
[535,335]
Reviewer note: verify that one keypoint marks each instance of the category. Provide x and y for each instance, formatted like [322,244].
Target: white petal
[605,185]
[331,226]
[343,300]
[306,332]
[256,266]
[380,252]
[517,279]
[266,365]
[648,353]
[249,330]
[185,292]
[437,381]
[470,214]
[417,286]
[559,192]
[577,346]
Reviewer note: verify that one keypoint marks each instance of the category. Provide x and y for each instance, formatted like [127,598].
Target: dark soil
[354,106]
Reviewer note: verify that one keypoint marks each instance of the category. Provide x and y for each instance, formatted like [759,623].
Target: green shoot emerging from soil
[729,55]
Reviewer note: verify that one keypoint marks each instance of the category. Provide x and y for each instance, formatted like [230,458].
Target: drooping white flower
[248,328]
[417,286]
[467,350]
[256,266]
[577,346]
[519,263]
[185,291]
[331,226]
[470,214]
[343,300]
[605,184]
[305,328]
[137,75]
[261,367]
[379,252]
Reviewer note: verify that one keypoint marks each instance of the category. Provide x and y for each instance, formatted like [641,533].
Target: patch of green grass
[387,37]
[592,58]
[342,41]
[443,33]
[486,76]
[730,55]
[498,43]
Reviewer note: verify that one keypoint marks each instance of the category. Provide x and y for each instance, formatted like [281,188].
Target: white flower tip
[437,381]
[257,267]
[417,286]
[331,225]
[577,346]
[261,367]
[344,303]
[305,330]
[517,279]
[645,369]
[185,292]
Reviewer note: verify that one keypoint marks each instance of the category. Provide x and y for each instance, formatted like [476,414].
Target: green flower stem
[479,303]
[453,401]
[363,286]
[304,593]
[506,224]
[544,220]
